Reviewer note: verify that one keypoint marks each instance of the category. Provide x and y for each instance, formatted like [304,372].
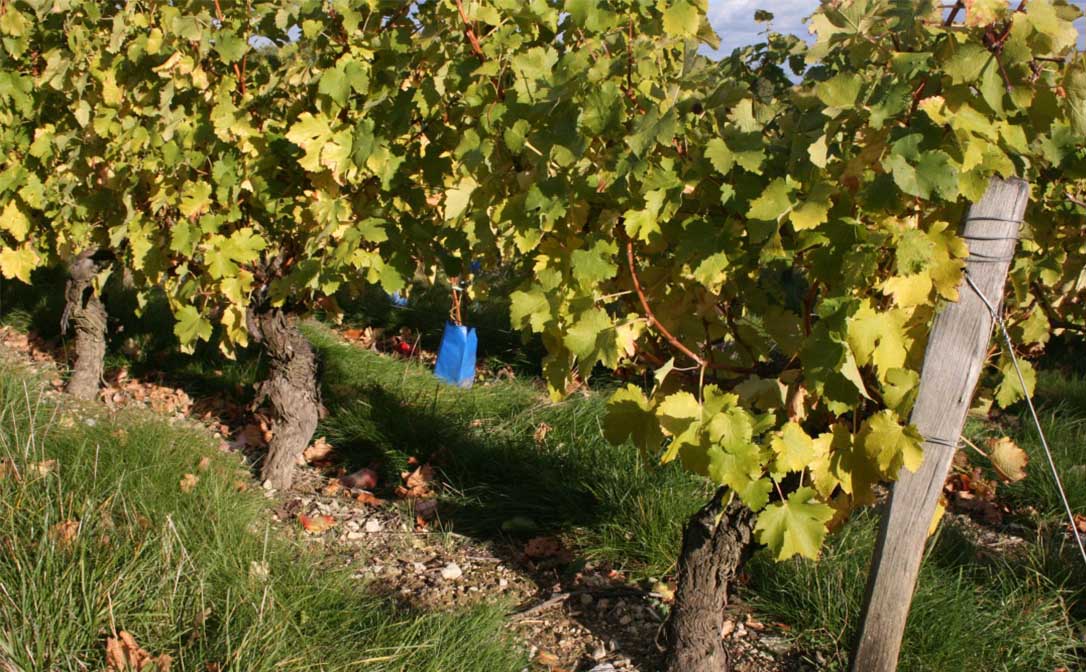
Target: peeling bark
[292,388]
[716,543]
[84,311]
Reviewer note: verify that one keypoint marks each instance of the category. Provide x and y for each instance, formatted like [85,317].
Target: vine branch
[470,32]
[655,322]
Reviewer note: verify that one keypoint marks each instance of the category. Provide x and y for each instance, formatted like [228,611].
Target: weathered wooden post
[953,361]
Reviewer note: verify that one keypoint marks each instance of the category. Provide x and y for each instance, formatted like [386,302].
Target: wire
[998,319]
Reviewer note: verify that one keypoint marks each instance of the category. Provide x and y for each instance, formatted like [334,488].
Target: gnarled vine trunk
[292,388]
[84,311]
[716,543]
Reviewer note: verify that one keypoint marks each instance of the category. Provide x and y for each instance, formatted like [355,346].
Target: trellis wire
[998,319]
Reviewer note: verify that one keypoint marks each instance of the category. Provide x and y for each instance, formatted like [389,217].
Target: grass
[197,575]
[623,510]
[964,615]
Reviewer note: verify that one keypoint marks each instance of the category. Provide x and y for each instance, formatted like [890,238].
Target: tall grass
[196,575]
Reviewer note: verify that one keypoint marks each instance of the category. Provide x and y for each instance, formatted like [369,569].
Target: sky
[734,19]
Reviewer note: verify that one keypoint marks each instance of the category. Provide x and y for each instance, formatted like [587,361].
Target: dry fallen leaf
[188,482]
[417,484]
[1080,523]
[547,659]
[64,532]
[332,489]
[369,499]
[43,468]
[319,451]
[204,464]
[727,629]
[123,654]
[316,524]
[541,432]
[1008,459]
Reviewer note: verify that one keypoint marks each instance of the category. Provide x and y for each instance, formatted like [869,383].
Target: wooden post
[953,361]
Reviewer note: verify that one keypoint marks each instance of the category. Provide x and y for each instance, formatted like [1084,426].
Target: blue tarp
[456,357]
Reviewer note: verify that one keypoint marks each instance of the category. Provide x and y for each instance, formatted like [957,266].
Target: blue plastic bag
[397,299]
[456,356]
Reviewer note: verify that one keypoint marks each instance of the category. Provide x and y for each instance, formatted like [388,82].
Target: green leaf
[195,198]
[794,527]
[774,201]
[795,450]
[891,444]
[840,91]
[630,415]
[681,17]
[458,198]
[191,327]
[1010,389]
[230,47]
[719,155]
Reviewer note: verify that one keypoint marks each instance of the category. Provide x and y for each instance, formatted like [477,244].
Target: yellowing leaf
[796,526]
[1008,459]
[891,444]
[18,263]
[908,290]
[14,221]
[795,450]
[630,416]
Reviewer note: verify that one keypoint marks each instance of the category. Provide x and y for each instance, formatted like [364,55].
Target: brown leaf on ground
[1008,459]
[547,659]
[363,479]
[188,482]
[541,432]
[64,532]
[332,489]
[1080,523]
[369,499]
[43,468]
[123,654]
[241,486]
[316,524]
[203,464]
[319,452]
[418,484]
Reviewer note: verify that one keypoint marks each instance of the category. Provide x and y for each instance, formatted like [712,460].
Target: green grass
[965,615]
[623,510]
[181,571]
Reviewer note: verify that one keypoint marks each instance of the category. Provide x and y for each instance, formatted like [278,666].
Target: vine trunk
[717,541]
[85,313]
[292,389]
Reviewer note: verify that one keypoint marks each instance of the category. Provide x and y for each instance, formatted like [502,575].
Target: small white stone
[451,572]
[373,525]
[502,583]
